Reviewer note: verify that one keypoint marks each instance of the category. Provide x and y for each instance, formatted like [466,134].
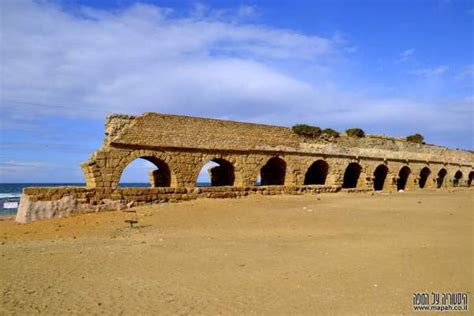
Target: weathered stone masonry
[179,146]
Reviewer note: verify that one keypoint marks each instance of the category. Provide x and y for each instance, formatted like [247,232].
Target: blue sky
[389,67]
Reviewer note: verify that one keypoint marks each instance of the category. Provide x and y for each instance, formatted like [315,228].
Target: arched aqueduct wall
[181,146]
[105,171]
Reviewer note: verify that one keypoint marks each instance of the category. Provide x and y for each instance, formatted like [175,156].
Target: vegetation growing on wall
[355,132]
[307,131]
[416,138]
[312,132]
[330,132]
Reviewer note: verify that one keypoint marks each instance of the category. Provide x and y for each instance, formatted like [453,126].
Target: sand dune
[339,254]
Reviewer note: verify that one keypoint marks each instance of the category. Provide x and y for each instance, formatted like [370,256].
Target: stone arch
[273,172]
[440,179]
[457,178]
[470,178]
[424,174]
[223,174]
[161,177]
[403,176]
[167,177]
[380,175]
[351,175]
[317,173]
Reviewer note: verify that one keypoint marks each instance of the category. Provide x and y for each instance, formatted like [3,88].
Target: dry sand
[340,254]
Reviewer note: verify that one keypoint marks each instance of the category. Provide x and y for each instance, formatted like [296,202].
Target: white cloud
[203,11]
[208,63]
[431,72]
[466,75]
[20,168]
[142,59]
[12,171]
[406,55]
[246,11]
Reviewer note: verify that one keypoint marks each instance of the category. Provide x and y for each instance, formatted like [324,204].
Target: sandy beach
[326,254]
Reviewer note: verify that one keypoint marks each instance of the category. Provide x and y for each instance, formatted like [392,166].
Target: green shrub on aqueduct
[355,132]
[415,138]
[306,131]
[330,132]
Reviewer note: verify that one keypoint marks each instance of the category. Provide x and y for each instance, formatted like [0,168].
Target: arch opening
[146,172]
[440,179]
[317,173]
[380,174]
[403,178]
[351,175]
[273,172]
[470,179]
[424,174]
[457,178]
[216,172]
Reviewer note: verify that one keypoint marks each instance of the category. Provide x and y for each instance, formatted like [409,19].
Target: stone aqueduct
[179,147]
[281,162]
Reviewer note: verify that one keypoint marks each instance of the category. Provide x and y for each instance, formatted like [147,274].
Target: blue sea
[11,192]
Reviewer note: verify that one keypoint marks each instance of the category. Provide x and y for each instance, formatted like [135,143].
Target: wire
[53,105]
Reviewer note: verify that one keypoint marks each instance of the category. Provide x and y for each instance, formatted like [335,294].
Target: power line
[48,105]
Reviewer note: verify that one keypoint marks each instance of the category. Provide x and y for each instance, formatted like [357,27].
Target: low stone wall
[49,202]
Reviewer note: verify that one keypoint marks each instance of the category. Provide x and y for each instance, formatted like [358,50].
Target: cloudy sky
[389,67]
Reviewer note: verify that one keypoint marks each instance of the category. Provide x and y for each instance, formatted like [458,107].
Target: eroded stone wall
[44,203]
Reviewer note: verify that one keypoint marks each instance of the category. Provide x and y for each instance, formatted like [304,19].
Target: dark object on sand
[132,221]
